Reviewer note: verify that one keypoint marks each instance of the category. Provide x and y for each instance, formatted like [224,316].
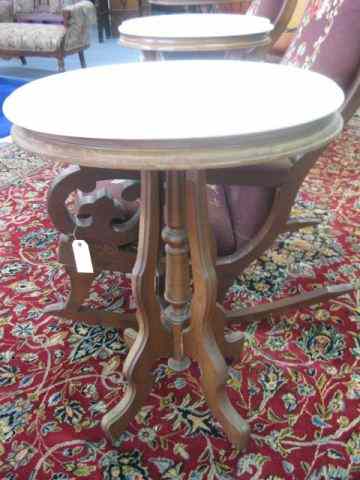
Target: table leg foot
[234,344]
[210,353]
[213,378]
[137,372]
[179,365]
[205,339]
[130,336]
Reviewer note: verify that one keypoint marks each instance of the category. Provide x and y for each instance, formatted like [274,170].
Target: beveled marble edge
[189,154]
[198,44]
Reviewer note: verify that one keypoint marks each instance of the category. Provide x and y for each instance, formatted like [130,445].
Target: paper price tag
[82,256]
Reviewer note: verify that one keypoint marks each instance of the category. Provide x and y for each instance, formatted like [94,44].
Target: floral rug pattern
[297,382]
[15,164]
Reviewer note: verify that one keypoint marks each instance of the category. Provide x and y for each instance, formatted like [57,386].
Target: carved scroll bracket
[101,215]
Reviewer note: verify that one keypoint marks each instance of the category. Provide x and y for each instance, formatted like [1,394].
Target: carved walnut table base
[196,321]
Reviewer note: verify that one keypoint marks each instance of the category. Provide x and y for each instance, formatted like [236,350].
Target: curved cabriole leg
[152,341]
[205,338]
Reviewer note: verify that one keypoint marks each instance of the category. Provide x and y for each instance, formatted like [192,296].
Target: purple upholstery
[328,40]
[266,8]
[220,220]
[249,208]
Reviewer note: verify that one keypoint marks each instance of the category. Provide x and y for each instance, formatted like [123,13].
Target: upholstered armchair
[43,40]
[247,211]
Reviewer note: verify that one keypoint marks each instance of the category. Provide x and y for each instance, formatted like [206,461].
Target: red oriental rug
[297,383]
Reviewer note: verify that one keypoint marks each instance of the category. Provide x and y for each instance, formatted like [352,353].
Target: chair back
[328,41]
[279,12]
[266,8]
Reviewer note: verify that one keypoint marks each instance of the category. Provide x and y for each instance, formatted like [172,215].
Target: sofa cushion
[327,40]
[30,37]
[47,6]
[5,11]
[39,17]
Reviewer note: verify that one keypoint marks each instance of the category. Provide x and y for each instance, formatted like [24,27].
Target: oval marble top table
[195,32]
[192,114]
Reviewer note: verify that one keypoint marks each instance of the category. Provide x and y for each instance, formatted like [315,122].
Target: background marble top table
[195,32]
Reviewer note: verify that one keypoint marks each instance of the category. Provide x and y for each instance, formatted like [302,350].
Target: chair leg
[61,64]
[281,306]
[103,20]
[23,60]
[99,24]
[107,25]
[296,223]
[82,59]
[73,309]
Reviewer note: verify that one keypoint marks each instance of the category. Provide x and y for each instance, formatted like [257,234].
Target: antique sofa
[20,39]
[50,11]
[40,11]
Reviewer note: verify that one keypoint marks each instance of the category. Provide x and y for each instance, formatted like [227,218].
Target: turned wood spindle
[177,286]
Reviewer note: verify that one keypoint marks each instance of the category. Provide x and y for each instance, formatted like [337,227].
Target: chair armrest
[283,19]
[78,19]
[352,101]
[6,11]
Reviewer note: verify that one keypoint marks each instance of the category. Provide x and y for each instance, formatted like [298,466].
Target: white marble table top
[185,99]
[153,115]
[195,25]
